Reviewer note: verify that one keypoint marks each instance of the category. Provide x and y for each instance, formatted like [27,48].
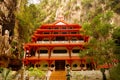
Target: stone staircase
[58,75]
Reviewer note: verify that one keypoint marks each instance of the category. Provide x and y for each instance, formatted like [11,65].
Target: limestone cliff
[7,17]
[78,11]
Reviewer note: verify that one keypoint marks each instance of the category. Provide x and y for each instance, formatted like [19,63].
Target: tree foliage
[115,5]
[26,17]
[31,16]
[115,71]
[101,44]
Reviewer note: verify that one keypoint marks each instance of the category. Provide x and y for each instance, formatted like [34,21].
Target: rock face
[6,58]
[7,25]
[4,48]
[80,11]
[7,16]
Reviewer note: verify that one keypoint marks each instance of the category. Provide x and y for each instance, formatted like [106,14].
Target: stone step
[58,75]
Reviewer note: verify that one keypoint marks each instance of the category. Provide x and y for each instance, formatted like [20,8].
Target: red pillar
[70,49]
[49,53]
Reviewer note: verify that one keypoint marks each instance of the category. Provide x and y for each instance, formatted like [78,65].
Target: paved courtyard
[76,75]
[88,75]
[81,75]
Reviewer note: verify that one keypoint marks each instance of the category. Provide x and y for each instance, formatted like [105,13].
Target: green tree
[26,17]
[101,45]
[31,16]
[115,5]
[115,71]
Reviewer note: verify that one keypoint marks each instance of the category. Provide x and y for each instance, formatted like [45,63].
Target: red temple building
[57,45]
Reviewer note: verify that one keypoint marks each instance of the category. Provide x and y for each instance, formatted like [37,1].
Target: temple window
[52,65]
[49,28]
[56,28]
[45,65]
[81,39]
[45,39]
[37,65]
[70,27]
[55,32]
[76,51]
[39,39]
[73,32]
[64,32]
[46,33]
[59,51]
[67,65]
[32,52]
[74,38]
[74,65]
[43,51]
[64,27]
[60,38]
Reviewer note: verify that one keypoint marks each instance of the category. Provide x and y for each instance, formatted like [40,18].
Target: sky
[33,1]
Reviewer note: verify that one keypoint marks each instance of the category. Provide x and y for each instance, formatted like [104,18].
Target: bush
[36,72]
[1,69]
[115,72]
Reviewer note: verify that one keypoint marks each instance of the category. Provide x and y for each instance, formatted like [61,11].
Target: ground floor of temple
[60,65]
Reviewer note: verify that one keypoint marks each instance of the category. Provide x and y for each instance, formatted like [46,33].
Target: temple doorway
[60,65]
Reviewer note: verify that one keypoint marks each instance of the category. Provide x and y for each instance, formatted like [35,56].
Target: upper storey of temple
[58,34]
[59,31]
[60,24]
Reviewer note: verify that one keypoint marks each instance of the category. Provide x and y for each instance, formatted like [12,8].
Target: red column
[69,38]
[49,53]
[69,48]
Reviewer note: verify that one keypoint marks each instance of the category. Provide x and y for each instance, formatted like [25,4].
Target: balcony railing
[63,42]
[43,42]
[80,41]
[60,54]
